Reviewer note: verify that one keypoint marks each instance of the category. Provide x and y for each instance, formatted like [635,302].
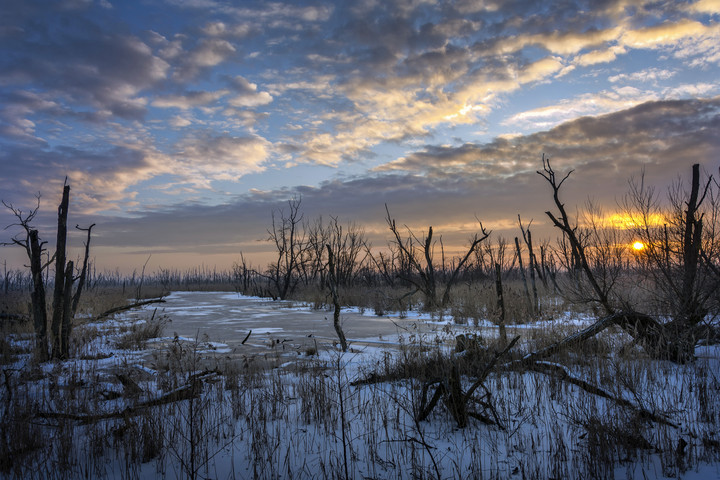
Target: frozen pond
[227,318]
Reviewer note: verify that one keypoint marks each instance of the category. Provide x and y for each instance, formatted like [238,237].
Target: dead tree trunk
[333,284]
[67,316]
[500,303]
[522,274]
[83,272]
[58,306]
[39,308]
[533,268]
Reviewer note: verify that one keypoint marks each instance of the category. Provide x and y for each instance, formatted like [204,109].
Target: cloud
[247,94]
[207,53]
[189,99]
[705,6]
[651,133]
[82,63]
[688,39]
[206,157]
[600,56]
[667,33]
[223,29]
[650,75]
[606,101]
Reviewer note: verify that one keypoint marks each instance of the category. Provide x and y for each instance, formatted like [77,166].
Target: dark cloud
[82,62]
[654,133]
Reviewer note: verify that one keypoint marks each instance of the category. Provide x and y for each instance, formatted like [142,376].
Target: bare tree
[83,273]
[289,237]
[59,313]
[34,249]
[417,254]
[680,251]
[333,285]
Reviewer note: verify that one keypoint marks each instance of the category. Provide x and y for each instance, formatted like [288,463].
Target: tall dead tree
[83,273]
[680,256]
[532,264]
[518,251]
[34,249]
[58,305]
[64,302]
[418,255]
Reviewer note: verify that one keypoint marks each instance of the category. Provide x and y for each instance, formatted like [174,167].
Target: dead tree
[680,256]
[58,306]
[523,276]
[349,246]
[673,340]
[288,236]
[532,264]
[333,285]
[64,302]
[83,273]
[34,249]
[418,255]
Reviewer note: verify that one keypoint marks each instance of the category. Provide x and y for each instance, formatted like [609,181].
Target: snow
[288,406]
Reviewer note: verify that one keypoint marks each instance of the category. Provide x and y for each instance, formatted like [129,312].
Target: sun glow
[638,246]
[624,221]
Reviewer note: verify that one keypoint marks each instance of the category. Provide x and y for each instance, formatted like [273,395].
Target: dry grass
[353,415]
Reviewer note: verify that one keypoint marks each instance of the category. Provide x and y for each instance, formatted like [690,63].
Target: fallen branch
[562,373]
[488,368]
[573,339]
[186,392]
[456,400]
[129,307]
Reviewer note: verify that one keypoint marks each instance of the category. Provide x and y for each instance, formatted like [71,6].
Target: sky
[181,124]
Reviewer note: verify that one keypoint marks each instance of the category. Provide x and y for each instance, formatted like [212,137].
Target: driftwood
[129,307]
[570,340]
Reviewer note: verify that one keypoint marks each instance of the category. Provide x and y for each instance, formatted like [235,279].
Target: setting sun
[637,246]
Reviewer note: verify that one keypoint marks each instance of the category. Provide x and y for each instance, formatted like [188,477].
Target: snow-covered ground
[284,402]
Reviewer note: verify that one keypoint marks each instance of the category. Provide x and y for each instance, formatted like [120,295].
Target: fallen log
[124,308]
[563,374]
[186,392]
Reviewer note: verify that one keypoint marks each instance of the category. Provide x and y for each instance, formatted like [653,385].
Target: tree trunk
[522,274]
[83,272]
[532,267]
[67,315]
[59,292]
[39,308]
[500,303]
[333,283]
